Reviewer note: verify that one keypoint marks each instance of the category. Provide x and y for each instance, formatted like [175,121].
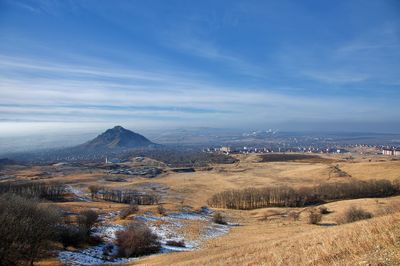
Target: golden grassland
[268,236]
[194,189]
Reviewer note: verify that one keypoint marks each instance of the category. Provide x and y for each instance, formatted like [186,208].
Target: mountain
[117,138]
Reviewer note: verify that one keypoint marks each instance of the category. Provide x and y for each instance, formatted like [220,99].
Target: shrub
[131,209]
[354,214]
[161,210]
[137,240]
[314,217]
[218,218]
[176,243]
[71,235]
[86,220]
[324,210]
[26,229]
[93,190]
[295,216]
[389,208]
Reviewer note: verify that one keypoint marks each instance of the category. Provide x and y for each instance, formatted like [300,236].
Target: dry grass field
[263,236]
[280,242]
[270,237]
[196,187]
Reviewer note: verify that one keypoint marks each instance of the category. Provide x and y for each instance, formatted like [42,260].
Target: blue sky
[294,65]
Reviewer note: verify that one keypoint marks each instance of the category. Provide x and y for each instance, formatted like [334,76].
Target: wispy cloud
[197,64]
[196,47]
[335,76]
[75,93]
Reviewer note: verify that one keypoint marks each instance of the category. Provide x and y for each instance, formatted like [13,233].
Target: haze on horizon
[293,65]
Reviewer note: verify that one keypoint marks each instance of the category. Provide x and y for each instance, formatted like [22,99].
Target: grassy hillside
[276,240]
[265,236]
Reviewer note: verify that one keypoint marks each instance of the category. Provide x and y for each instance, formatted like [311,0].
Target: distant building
[225,149]
[110,161]
[341,151]
[391,152]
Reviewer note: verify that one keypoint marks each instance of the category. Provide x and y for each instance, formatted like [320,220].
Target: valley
[210,133]
[184,196]
[238,209]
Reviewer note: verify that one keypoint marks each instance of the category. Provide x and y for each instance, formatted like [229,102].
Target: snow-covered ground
[101,254]
[92,256]
[168,228]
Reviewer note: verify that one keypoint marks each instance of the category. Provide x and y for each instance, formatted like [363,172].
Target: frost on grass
[168,228]
[100,254]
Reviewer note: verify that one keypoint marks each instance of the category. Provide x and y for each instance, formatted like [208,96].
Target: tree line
[284,196]
[50,191]
[128,196]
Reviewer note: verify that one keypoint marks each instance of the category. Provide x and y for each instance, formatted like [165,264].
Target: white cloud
[73,93]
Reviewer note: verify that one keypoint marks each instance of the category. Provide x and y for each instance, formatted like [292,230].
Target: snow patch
[168,228]
[101,254]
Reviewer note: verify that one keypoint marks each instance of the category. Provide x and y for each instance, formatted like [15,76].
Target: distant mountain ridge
[117,138]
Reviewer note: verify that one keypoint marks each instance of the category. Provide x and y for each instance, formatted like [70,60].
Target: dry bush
[389,208]
[71,235]
[26,229]
[87,219]
[324,210]
[353,214]
[93,190]
[176,243]
[161,210]
[131,209]
[218,218]
[314,216]
[137,240]
[78,234]
[294,215]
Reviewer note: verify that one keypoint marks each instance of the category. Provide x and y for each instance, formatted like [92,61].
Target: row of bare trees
[284,196]
[50,191]
[128,196]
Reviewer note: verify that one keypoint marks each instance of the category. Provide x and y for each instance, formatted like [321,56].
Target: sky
[291,65]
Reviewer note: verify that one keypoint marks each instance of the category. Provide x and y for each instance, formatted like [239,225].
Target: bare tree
[26,229]
[87,219]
